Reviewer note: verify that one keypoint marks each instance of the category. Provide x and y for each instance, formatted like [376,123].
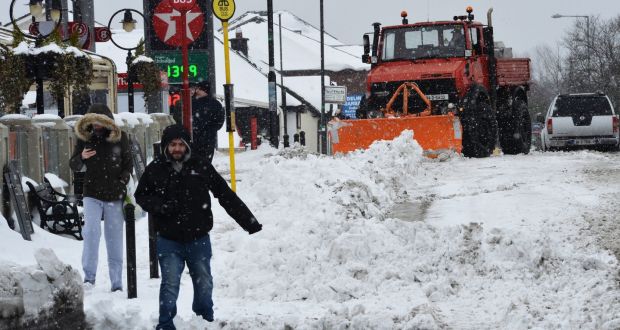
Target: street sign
[223,9]
[349,109]
[167,23]
[102,34]
[172,65]
[154,44]
[182,5]
[336,94]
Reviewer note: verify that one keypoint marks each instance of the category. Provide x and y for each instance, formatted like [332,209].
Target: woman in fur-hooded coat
[102,151]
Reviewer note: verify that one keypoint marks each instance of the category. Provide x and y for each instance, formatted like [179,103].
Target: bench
[58,213]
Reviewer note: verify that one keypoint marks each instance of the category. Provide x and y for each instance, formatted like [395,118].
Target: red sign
[122,82]
[182,5]
[33,29]
[168,26]
[78,28]
[102,34]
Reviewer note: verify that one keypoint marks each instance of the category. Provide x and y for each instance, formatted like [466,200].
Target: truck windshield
[420,42]
[582,105]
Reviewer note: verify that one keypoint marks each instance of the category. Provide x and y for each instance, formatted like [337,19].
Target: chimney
[239,43]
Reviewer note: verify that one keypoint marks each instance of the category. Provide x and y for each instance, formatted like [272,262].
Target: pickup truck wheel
[479,130]
[516,130]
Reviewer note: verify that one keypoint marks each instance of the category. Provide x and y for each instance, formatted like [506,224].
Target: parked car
[580,120]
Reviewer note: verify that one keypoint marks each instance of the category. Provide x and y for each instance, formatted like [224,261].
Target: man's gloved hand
[254,227]
[169,207]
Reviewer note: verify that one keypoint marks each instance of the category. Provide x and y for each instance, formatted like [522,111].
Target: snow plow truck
[447,82]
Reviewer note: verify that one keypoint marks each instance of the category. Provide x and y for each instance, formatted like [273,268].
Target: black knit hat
[203,85]
[175,131]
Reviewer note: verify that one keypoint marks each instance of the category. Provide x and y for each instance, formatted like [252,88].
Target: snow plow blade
[435,134]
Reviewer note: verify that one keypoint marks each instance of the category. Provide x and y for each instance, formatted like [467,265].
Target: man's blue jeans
[172,257]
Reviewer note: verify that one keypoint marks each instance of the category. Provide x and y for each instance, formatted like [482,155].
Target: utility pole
[322,123]
[285,136]
[273,102]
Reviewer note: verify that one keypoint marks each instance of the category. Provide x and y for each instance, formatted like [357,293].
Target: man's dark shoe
[208,318]
[117,289]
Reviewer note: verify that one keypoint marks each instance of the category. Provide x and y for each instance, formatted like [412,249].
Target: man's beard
[178,156]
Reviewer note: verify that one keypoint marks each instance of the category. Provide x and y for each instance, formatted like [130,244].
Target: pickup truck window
[581,105]
[418,42]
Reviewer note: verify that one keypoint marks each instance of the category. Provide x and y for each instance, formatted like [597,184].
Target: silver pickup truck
[580,120]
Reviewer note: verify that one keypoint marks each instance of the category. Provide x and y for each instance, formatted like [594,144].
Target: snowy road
[387,239]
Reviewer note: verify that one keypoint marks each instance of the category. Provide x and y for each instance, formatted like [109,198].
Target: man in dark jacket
[207,118]
[102,150]
[174,189]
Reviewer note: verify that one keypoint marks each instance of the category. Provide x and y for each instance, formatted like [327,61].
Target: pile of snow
[47,293]
[14,116]
[126,119]
[47,117]
[142,58]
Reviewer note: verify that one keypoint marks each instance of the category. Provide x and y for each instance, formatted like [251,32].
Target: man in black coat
[174,189]
[207,118]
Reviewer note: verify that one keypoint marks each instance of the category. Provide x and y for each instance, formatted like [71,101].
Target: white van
[580,120]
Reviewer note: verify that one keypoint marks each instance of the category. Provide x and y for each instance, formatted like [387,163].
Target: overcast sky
[521,24]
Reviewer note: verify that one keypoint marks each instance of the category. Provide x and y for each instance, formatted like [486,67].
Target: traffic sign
[183,5]
[335,94]
[168,27]
[223,9]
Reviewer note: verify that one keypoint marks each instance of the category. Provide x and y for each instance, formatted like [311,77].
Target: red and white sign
[122,82]
[122,85]
[168,26]
[183,5]
[33,29]
[102,34]
[78,28]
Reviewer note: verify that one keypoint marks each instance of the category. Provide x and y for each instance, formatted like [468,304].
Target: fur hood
[84,127]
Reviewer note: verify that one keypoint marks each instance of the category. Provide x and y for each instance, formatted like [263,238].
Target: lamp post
[36,9]
[129,24]
[587,38]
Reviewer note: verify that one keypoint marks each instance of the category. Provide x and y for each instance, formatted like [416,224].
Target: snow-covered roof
[301,46]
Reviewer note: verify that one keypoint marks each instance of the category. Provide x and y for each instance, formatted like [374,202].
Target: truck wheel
[516,130]
[479,130]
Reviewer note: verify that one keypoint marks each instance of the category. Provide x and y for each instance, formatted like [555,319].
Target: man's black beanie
[175,131]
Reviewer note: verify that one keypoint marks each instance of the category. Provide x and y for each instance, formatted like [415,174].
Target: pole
[588,49]
[187,110]
[130,100]
[285,137]
[130,237]
[322,131]
[230,113]
[39,81]
[273,102]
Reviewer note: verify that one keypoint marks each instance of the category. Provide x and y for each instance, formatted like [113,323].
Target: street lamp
[36,9]
[129,24]
[587,37]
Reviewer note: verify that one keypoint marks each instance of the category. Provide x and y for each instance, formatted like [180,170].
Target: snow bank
[49,293]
